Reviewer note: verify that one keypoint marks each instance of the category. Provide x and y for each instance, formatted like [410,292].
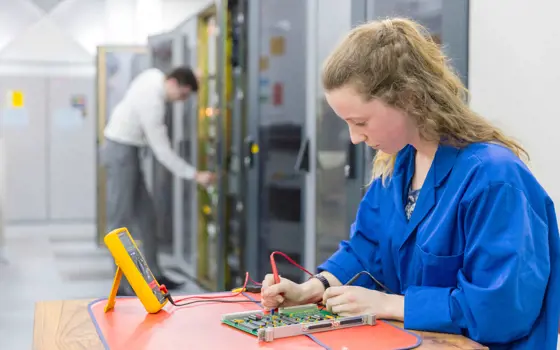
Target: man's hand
[205,178]
[354,301]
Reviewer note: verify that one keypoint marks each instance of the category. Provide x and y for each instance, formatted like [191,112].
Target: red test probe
[275,269]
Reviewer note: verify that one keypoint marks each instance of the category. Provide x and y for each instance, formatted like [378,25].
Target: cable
[353,279]
[208,298]
[255,282]
[275,269]
[250,300]
[211,301]
[317,341]
[241,291]
[290,260]
[213,298]
[320,343]
[238,291]
[258,302]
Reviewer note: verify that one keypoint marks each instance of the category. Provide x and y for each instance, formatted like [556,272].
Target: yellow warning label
[16,99]
[255,149]
[277,46]
[263,64]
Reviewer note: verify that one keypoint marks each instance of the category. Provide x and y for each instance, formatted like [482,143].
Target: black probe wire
[353,279]
[356,276]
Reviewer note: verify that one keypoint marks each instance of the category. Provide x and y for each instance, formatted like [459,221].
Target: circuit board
[255,321]
[292,321]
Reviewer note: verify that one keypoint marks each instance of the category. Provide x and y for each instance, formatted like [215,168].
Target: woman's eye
[360,123]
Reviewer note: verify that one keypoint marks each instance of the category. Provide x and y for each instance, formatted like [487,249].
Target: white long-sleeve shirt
[138,120]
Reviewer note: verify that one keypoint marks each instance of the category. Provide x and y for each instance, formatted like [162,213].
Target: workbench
[66,325]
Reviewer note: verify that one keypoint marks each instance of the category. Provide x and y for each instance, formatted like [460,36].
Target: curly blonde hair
[397,61]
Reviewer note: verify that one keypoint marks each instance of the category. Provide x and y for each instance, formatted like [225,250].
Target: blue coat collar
[442,164]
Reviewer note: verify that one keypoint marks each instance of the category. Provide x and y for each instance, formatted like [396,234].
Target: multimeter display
[141,265]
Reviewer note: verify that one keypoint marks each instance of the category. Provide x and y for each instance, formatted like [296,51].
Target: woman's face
[379,126]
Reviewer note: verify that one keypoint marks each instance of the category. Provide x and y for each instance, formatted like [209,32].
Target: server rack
[116,67]
[338,171]
[205,244]
[280,156]
[185,200]
[176,199]
[276,111]
[236,164]
[188,215]
[215,260]
[279,145]
[207,104]
[159,180]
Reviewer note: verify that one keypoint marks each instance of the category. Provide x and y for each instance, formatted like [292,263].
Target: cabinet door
[71,149]
[23,124]
[279,129]
[338,178]
[185,209]
[161,179]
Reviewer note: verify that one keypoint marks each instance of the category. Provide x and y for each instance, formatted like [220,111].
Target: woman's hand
[285,293]
[354,301]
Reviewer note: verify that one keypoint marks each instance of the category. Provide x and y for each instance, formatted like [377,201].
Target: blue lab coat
[479,256]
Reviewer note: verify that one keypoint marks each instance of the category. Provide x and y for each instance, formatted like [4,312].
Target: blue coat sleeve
[501,286]
[359,252]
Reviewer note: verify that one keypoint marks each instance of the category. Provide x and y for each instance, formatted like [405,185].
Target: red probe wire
[275,269]
[290,260]
[247,279]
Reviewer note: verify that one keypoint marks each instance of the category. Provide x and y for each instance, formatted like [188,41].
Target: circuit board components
[292,321]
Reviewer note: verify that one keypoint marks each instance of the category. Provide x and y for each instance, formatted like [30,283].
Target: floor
[50,262]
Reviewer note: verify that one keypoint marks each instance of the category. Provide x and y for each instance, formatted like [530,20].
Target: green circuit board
[292,321]
[251,323]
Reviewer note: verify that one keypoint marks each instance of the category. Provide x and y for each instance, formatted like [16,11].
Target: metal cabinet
[160,179]
[48,128]
[117,66]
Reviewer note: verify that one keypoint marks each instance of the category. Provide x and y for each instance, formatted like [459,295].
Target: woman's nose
[357,138]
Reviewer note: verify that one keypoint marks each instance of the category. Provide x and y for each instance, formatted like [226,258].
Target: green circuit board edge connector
[292,321]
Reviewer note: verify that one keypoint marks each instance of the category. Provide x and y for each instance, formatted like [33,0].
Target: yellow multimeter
[131,263]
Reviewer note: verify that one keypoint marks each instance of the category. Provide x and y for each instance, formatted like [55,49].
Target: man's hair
[185,77]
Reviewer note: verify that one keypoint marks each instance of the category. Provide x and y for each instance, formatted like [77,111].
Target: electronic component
[292,321]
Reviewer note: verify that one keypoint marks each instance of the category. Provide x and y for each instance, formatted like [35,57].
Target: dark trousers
[128,201]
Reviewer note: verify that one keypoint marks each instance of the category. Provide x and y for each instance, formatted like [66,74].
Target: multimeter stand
[113,296]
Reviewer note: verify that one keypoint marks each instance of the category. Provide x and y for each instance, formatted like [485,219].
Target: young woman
[455,233]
